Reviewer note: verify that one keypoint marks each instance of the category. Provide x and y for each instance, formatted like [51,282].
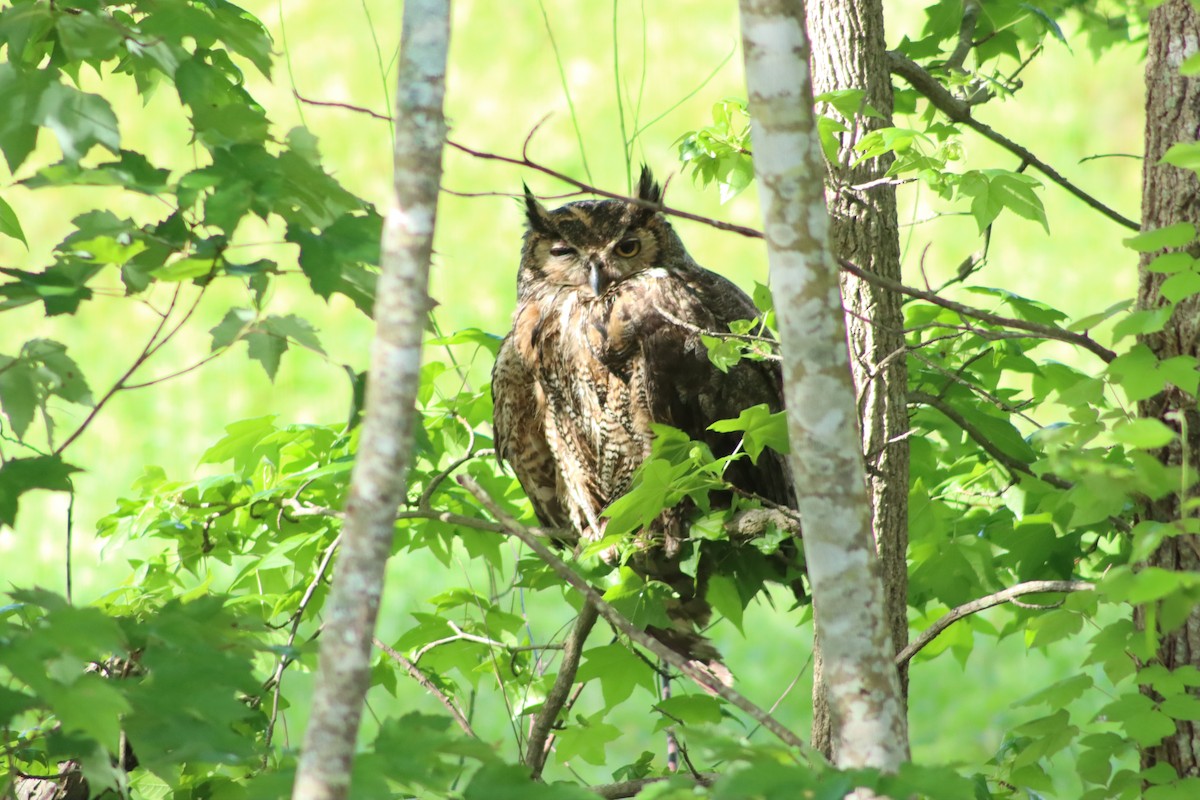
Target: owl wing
[660,317]
[520,432]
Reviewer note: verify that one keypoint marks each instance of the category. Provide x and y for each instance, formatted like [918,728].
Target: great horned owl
[606,342]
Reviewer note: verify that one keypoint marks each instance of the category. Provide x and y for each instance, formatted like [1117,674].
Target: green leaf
[993,190]
[1180,285]
[79,120]
[1059,694]
[618,670]
[725,598]
[93,706]
[9,224]
[20,475]
[512,782]
[1142,321]
[1052,626]
[1178,235]
[293,328]
[1146,434]
[688,709]
[587,740]
[489,341]
[232,327]
[1169,263]
[1185,155]
[18,393]
[20,97]
[761,429]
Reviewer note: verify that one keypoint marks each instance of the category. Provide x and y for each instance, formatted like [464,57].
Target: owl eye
[628,248]
[560,250]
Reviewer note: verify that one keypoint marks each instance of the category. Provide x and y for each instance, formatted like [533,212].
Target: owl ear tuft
[536,214]
[649,189]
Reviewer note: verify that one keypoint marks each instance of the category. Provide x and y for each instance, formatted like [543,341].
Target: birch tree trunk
[849,52]
[868,720]
[377,482]
[1169,196]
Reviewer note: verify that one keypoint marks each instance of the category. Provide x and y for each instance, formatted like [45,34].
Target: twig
[346,106]
[959,110]
[436,480]
[983,441]
[618,621]
[420,677]
[637,201]
[276,680]
[975,606]
[1038,329]
[535,748]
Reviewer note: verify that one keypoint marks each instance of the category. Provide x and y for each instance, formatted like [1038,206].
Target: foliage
[1025,466]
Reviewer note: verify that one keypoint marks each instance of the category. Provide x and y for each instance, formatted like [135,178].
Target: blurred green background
[504,79]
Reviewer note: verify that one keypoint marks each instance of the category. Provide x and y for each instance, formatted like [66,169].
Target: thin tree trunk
[1169,196]
[868,720]
[849,52]
[378,479]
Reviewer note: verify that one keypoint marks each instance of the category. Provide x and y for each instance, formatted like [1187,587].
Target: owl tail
[699,652]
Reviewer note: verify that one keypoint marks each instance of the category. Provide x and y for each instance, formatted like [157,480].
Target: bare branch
[618,621]
[674,212]
[536,748]
[1039,330]
[992,600]
[346,106]
[959,110]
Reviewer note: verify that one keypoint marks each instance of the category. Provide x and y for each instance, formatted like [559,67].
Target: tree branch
[420,677]
[1039,330]
[524,161]
[992,600]
[618,621]
[536,748]
[959,110]
[998,455]
[966,35]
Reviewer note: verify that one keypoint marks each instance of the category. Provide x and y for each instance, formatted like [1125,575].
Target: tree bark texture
[377,482]
[868,723]
[849,52]
[1172,195]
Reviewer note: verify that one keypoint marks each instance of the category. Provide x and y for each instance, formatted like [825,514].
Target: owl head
[592,245]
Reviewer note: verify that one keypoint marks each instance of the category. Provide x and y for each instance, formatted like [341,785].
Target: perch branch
[959,110]
[536,747]
[618,621]
[992,600]
[1037,329]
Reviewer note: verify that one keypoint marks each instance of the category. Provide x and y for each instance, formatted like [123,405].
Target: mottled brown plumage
[606,341]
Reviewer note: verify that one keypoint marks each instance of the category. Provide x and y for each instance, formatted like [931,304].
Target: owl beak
[596,277]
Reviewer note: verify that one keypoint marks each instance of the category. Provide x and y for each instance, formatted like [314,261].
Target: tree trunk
[378,480]
[1169,196]
[868,720]
[849,52]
